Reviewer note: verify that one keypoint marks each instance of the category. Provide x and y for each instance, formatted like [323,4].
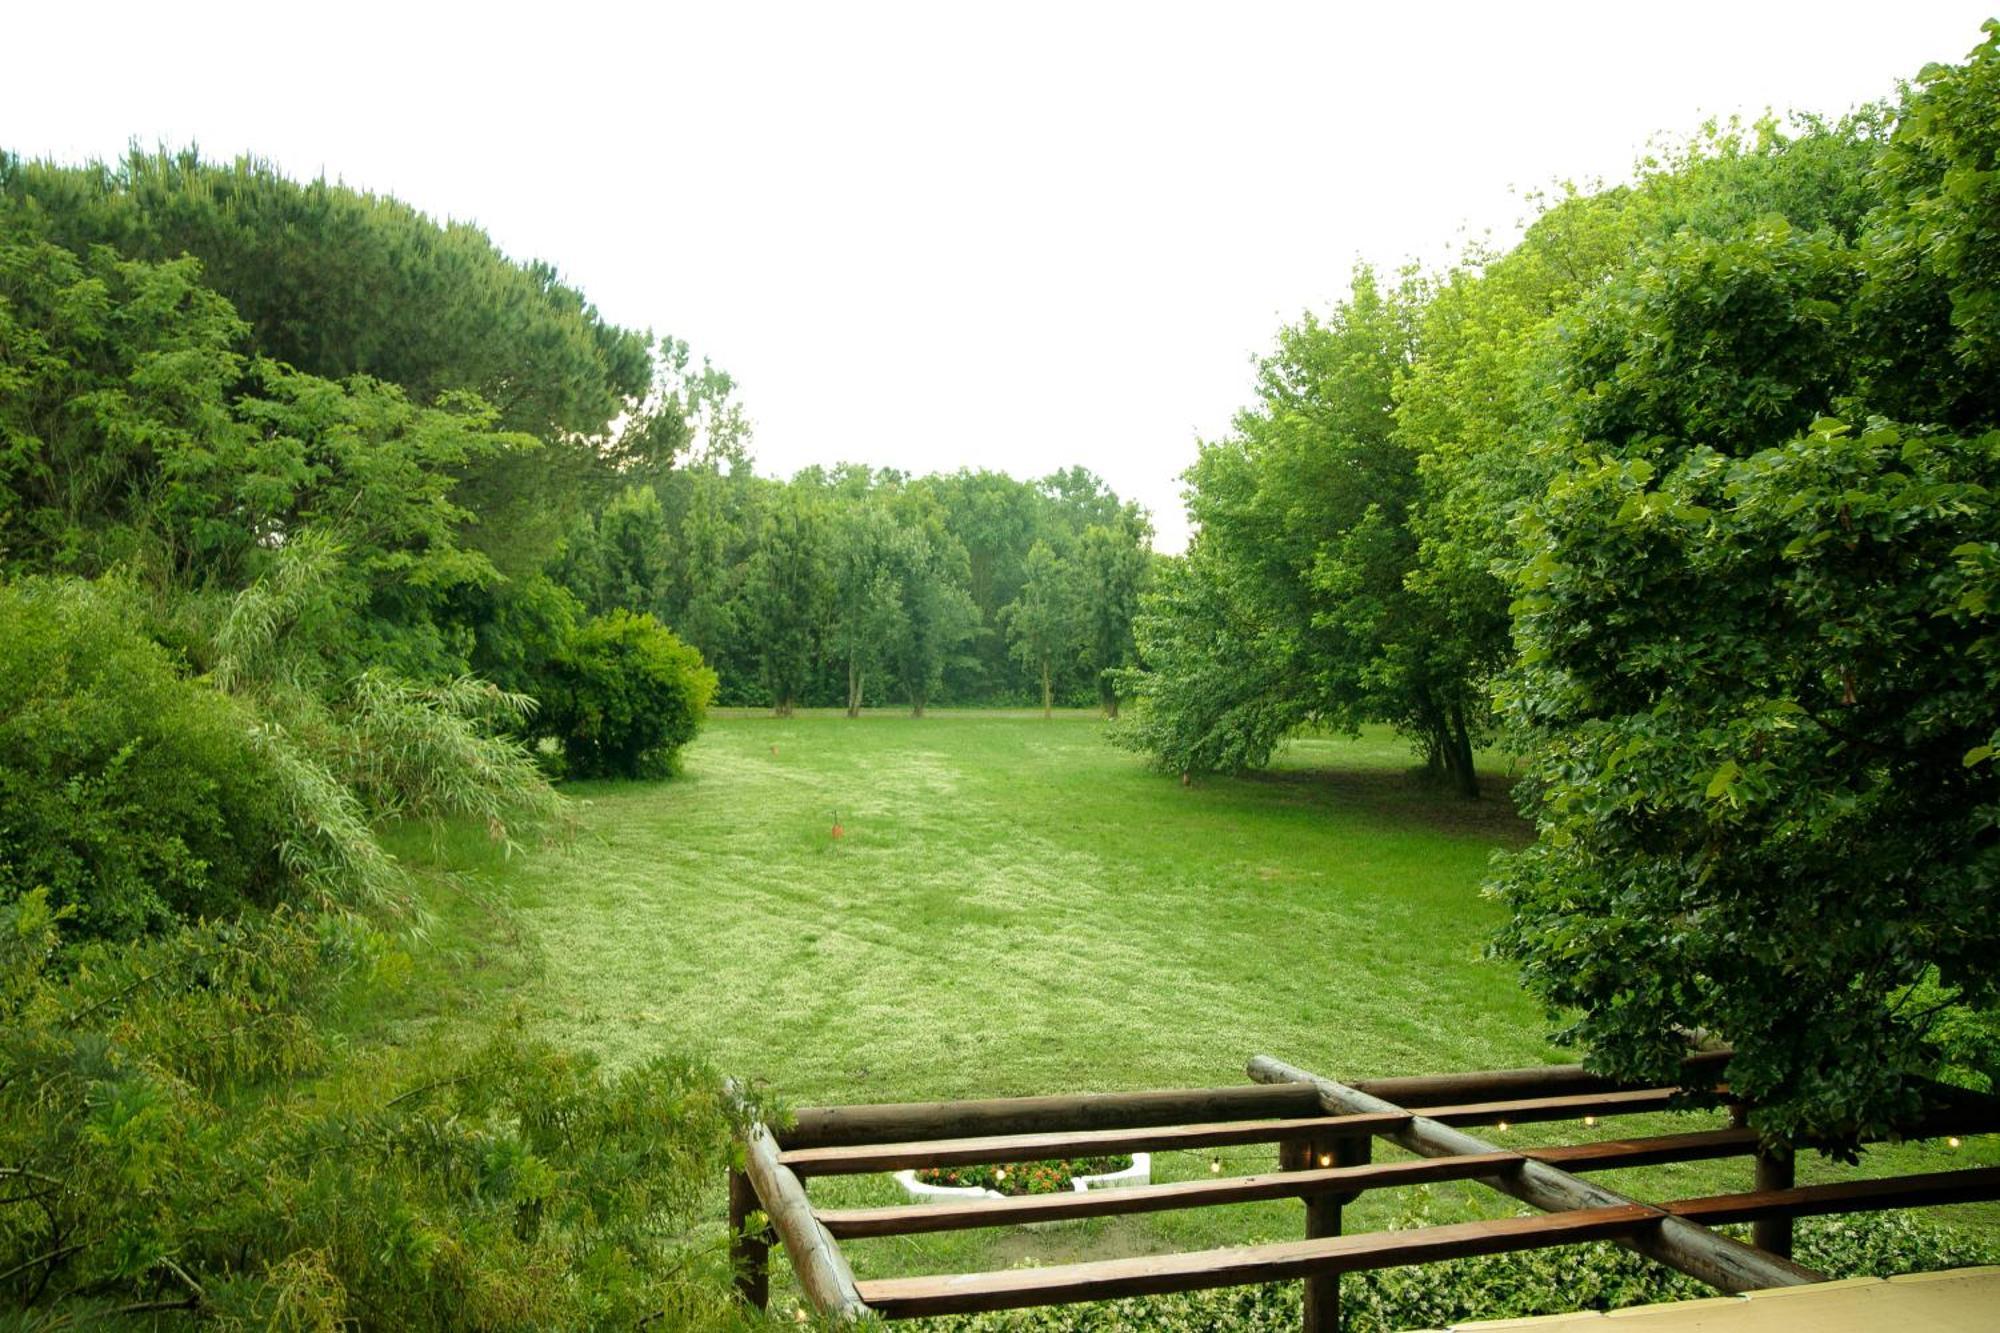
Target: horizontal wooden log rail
[1654,1150]
[909,1122]
[910,1219]
[862,1158]
[964,1293]
[1699,1069]
[1973,1185]
[1527,1110]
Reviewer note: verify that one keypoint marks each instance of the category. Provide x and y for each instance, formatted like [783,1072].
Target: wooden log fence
[1324,1130]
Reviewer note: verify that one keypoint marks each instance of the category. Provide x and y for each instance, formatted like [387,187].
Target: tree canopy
[1688,497]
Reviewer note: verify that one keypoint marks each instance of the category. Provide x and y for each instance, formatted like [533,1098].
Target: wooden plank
[1702,1068]
[1717,1260]
[1974,1185]
[1014,1288]
[1616,1154]
[912,1219]
[1704,1145]
[1522,1111]
[822,1270]
[908,1122]
[861,1158]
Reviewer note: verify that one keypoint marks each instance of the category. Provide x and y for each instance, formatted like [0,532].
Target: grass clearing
[1015,907]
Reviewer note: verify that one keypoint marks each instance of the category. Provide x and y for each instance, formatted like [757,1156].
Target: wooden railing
[1324,1131]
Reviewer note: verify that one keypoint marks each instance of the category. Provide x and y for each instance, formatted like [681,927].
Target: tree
[868,616]
[1759,658]
[939,617]
[1042,623]
[1303,560]
[620,559]
[1215,694]
[787,590]
[1112,567]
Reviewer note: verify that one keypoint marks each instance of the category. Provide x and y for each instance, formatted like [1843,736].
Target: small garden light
[1502,1127]
[1215,1166]
[1953,1142]
[1591,1121]
[1326,1159]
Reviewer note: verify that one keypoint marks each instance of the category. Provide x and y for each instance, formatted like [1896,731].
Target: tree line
[1691,498]
[852,585]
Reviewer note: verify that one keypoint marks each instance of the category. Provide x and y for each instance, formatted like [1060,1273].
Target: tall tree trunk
[1466,776]
[783,707]
[853,688]
[1048,702]
[1431,725]
[1107,695]
[916,705]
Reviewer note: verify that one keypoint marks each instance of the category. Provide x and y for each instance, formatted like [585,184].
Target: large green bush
[624,695]
[188,1131]
[132,794]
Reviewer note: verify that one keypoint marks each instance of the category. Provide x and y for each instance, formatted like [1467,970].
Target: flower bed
[1055,1177]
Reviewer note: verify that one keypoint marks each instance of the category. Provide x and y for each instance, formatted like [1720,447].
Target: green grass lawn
[1017,907]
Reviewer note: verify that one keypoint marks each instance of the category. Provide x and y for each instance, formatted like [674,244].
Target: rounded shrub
[623,696]
[134,795]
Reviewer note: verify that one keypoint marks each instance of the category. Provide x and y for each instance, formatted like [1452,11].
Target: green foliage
[1758,659]
[867,616]
[338,283]
[1515,1285]
[1041,623]
[178,1133]
[114,418]
[132,795]
[623,696]
[1752,686]
[1109,572]
[350,754]
[1933,276]
[787,588]
[1211,699]
[1296,603]
[939,616]
[1716,451]
[140,797]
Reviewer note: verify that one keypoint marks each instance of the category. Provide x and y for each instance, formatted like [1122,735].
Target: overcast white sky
[1007,235]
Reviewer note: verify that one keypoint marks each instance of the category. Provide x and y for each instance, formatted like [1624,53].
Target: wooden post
[749,1251]
[1773,1235]
[1322,1293]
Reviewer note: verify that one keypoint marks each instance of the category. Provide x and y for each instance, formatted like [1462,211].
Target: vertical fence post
[1322,1294]
[1775,1171]
[1773,1235]
[749,1251]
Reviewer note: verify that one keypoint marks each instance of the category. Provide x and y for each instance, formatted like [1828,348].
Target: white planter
[1139,1173]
